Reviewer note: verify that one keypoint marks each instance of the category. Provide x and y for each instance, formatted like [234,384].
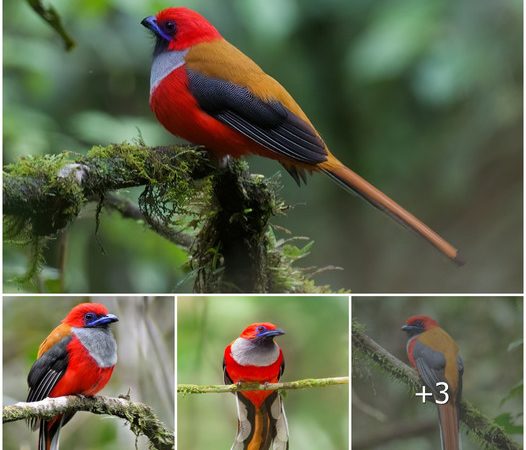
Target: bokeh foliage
[422,98]
[316,345]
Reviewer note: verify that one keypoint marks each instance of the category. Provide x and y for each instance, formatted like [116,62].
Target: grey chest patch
[246,353]
[163,65]
[100,344]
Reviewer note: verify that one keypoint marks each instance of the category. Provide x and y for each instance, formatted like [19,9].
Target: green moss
[230,212]
[46,166]
[133,156]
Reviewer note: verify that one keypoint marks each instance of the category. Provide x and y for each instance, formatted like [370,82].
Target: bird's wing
[430,364]
[281,369]
[226,377]
[46,372]
[230,87]
[54,337]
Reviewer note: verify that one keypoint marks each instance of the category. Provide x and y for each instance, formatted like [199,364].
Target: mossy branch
[50,190]
[141,418]
[308,383]
[227,210]
[487,433]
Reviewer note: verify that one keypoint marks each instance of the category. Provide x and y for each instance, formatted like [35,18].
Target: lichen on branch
[141,418]
[308,383]
[224,212]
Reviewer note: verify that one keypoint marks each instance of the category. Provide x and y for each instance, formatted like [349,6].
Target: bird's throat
[247,353]
[164,64]
[100,344]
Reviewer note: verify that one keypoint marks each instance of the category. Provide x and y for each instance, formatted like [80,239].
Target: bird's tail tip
[458,259]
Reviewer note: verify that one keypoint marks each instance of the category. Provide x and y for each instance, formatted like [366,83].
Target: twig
[141,418]
[490,435]
[51,16]
[130,210]
[300,384]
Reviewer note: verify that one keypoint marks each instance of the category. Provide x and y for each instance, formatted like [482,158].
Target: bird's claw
[76,170]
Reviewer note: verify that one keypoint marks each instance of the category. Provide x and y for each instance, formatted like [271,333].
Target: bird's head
[261,332]
[179,29]
[89,315]
[418,324]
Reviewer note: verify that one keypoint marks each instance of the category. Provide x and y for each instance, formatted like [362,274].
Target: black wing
[430,365]
[269,124]
[226,378]
[46,372]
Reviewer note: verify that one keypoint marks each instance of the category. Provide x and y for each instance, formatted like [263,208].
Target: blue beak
[104,320]
[150,22]
[271,333]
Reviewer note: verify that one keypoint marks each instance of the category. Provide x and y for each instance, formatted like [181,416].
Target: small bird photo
[93,373]
[263,372]
[433,373]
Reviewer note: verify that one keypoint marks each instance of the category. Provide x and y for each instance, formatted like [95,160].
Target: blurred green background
[489,332]
[316,345]
[145,367]
[422,98]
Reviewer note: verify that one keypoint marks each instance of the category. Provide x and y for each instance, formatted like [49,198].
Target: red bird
[255,357]
[78,357]
[435,356]
[206,91]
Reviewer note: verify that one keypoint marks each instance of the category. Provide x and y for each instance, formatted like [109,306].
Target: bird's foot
[78,171]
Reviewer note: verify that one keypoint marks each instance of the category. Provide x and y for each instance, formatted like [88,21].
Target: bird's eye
[169,26]
[89,317]
[261,329]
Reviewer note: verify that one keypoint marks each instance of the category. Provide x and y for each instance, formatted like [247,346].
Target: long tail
[352,181]
[448,418]
[49,433]
[261,428]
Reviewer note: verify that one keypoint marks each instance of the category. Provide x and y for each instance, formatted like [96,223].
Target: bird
[77,358]
[255,357]
[206,91]
[435,356]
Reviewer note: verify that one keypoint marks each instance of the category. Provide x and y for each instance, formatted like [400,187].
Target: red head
[89,315]
[418,324]
[179,29]
[261,331]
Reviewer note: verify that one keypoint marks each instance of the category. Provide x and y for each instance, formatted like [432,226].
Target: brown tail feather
[449,426]
[263,427]
[345,176]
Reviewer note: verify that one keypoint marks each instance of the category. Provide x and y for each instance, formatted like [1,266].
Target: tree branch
[489,434]
[49,191]
[50,16]
[130,210]
[235,249]
[141,418]
[300,384]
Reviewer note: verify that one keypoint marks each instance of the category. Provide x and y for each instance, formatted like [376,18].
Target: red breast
[83,376]
[251,373]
